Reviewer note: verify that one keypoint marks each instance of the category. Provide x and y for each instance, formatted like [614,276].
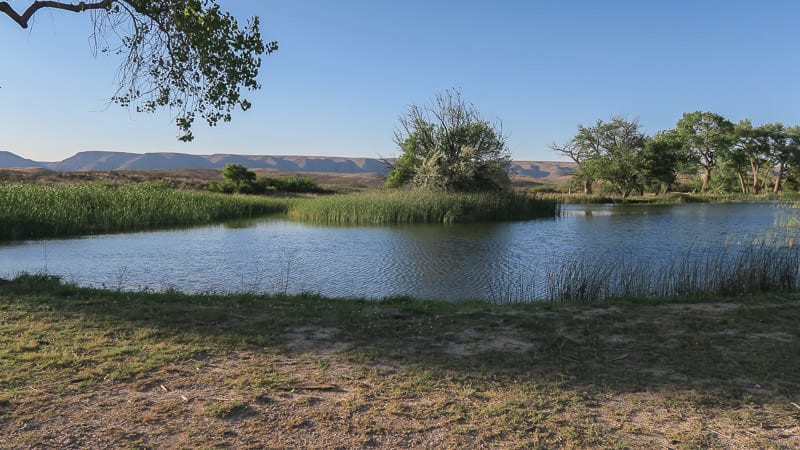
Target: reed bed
[390,207]
[731,271]
[39,210]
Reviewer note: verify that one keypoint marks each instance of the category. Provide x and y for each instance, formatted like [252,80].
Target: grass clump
[39,210]
[420,206]
[226,409]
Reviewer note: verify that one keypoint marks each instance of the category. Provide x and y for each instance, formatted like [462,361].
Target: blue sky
[346,70]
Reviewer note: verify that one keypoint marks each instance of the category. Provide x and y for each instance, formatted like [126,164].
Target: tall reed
[420,206]
[733,270]
[38,210]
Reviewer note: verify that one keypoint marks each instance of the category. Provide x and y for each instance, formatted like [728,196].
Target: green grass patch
[226,409]
[420,206]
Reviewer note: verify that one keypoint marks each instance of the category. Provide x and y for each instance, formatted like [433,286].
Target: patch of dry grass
[86,368]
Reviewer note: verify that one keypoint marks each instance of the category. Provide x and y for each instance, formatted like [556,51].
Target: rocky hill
[541,171]
[9,160]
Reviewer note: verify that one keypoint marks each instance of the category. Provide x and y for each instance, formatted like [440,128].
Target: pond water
[450,262]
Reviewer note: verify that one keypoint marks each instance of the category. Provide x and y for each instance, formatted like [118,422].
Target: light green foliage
[185,55]
[448,146]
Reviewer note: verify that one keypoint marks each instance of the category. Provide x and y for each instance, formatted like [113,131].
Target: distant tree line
[704,152]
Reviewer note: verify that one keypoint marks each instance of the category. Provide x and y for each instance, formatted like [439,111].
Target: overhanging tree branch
[188,56]
[22,19]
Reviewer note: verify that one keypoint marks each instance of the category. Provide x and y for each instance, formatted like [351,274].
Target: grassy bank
[44,210]
[88,368]
[386,207]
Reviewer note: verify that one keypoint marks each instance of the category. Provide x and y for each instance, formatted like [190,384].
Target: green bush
[289,184]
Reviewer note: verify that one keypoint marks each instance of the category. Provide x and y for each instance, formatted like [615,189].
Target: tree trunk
[742,184]
[587,186]
[755,168]
[705,177]
[778,178]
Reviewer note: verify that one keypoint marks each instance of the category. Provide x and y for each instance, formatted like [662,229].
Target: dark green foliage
[237,179]
[662,159]
[289,184]
[448,146]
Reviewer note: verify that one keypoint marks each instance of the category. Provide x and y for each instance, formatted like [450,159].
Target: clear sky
[347,69]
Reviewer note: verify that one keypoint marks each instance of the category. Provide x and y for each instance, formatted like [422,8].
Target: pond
[450,262]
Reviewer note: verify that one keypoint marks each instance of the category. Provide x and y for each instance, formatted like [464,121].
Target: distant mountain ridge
[105,161]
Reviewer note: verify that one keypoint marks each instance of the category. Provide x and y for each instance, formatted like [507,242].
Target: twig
[309,388]
[620,357]
[719,434]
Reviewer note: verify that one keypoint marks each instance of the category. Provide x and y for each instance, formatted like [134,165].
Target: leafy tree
[611,151]
[746,155]
[662,159]
[784,151]
[239,175]
[185,55]
[705,135]
[620,162]
[581,154]
[236,178]
[447,145]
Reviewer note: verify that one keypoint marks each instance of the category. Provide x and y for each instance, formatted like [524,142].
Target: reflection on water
[500,260]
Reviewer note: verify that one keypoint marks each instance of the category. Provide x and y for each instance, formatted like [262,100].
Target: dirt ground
[304,375]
